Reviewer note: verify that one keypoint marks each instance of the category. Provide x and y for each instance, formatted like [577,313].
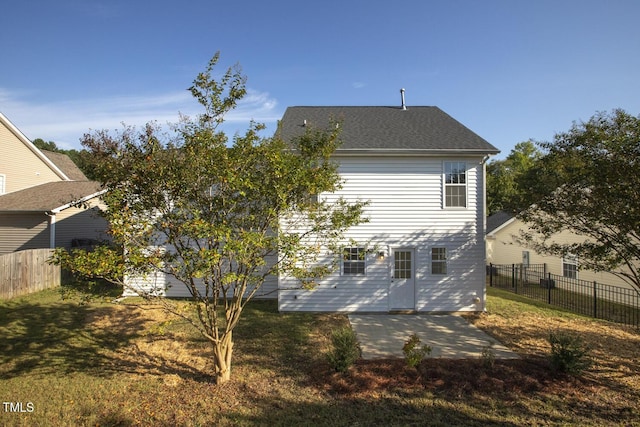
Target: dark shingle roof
[384,129]
[66,165]
[46,197]
[497,219]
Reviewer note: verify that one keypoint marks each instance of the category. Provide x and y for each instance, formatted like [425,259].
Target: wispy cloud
[358,85]
[65,122]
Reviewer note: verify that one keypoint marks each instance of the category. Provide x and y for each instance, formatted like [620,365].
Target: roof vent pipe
[404,106]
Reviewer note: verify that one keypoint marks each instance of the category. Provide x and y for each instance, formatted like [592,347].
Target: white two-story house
[423,246]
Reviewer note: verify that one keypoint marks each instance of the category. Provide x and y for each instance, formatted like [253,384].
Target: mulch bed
[451,378]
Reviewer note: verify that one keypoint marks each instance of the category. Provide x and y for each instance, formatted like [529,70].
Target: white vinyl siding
[167,285]
[405,210]
[405,197]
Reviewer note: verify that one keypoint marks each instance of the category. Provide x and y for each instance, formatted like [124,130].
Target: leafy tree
[588,183]
[506,179]
[218,219]
[44,145]
[81,158]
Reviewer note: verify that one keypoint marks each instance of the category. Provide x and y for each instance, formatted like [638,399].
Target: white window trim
[570,259]
[363,260]
[444,185]
[445,261]
[3,180]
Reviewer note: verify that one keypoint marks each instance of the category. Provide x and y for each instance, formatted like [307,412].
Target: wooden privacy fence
[27,271]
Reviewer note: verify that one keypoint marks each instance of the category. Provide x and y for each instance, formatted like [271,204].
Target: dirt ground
[611,385]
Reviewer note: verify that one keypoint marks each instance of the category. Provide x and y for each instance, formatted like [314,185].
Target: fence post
[522,274]
[490,274]
[595,300]
[513,278]
[548,288]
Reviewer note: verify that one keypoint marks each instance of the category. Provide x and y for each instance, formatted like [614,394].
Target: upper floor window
[353,261]
[455,185]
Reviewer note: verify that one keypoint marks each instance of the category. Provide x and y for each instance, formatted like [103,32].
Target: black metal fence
[613,303]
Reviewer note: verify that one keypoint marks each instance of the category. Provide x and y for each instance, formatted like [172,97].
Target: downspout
[52,229]
[484,224]
[484,191]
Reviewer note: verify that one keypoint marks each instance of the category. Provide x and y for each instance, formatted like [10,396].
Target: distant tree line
[81,158]
[587,182]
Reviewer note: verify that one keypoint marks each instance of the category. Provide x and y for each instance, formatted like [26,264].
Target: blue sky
[510,70]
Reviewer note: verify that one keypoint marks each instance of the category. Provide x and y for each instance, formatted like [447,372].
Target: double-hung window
[353,261]
[570,266]
[438,260]
[455,185]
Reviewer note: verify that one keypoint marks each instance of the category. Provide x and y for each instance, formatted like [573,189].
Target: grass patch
[94,363]
[579,299]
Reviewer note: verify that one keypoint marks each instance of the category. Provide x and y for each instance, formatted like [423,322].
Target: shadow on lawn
[283,342]
[61,338]
[350,412]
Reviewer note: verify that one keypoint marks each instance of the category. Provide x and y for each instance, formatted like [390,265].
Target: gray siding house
[37,191]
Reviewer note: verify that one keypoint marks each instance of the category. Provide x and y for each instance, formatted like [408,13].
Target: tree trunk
[222,352]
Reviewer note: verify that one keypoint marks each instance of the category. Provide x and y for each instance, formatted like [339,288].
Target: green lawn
[104,364]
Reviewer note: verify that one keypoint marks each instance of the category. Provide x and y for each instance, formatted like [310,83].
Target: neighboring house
[38,191]
[423,248]
[503,247]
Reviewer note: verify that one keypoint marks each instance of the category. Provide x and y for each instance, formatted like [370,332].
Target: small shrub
[488,356]
[568,353]
[413,352]
[346,349]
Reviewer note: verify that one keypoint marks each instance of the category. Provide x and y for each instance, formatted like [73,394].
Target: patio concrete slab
[449,336]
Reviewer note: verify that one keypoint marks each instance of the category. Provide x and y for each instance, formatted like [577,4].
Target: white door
[402,289]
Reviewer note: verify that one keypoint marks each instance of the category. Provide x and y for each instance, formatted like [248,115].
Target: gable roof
[22,138]
[387,129]
[66,165]
[49,197]
[498,220]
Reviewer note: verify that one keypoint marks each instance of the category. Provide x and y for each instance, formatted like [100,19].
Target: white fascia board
[22,137]
[82,200]
[506,223]
[409,152]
